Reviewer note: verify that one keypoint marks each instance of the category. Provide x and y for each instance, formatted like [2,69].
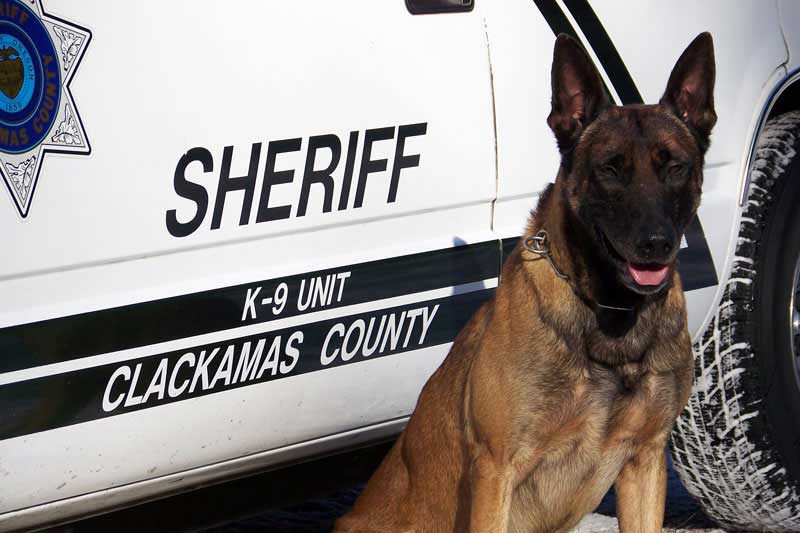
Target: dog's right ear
[578,92]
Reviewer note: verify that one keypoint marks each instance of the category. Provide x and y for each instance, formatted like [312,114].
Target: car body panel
[160,83]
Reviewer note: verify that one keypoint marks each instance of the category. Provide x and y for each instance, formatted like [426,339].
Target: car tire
[736,445]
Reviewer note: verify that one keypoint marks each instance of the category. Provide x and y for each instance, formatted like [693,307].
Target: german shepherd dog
[570,379]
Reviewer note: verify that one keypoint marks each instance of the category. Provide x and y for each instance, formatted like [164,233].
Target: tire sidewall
[775,264]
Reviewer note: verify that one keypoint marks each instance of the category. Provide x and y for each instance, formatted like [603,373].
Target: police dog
[570,379]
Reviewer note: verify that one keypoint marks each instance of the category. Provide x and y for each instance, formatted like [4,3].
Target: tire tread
[720,447]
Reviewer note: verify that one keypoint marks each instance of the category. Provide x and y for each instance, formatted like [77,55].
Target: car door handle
[424,7]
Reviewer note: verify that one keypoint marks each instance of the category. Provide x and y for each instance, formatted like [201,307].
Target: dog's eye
[608,170]
[676,170]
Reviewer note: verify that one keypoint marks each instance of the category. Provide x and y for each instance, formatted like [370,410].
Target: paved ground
[307,498]
[597,523]
[317,515]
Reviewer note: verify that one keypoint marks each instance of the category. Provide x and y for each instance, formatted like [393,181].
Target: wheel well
[789,100]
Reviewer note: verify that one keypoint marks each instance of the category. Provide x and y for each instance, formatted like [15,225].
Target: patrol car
[237,235]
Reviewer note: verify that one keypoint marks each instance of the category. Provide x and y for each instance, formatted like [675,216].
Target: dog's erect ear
[690,90]
[578,92]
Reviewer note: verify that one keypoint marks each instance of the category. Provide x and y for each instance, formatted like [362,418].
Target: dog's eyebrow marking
[593,125]
[675,120]
[678,141]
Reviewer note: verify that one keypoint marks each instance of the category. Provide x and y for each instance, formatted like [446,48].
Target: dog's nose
[654,246]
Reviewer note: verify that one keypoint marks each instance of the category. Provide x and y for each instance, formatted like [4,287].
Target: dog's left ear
[578,92]
[690,90]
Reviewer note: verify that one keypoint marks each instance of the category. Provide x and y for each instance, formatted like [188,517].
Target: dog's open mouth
[648,273]
[643,274]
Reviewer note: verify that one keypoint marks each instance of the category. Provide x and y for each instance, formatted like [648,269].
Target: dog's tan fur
[545,424]
[537,410]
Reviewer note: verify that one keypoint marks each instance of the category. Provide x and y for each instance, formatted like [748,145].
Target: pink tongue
[648,277]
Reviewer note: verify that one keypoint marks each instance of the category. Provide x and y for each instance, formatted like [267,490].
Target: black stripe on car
[557,21]
[599,40]
[110,389]
[605,50]
[140,324]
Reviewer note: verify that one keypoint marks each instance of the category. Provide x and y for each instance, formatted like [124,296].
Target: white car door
[233,204]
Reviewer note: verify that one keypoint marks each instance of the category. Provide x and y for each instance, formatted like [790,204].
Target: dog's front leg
[641,489]
[491,486]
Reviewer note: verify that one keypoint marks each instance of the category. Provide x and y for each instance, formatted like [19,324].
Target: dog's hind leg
[641,489]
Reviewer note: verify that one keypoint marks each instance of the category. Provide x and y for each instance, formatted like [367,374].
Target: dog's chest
[619,411]
[611,424]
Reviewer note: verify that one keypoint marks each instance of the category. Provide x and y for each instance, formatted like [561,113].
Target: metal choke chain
[538,245]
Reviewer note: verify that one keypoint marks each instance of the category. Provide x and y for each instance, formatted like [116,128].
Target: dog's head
[633,174]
